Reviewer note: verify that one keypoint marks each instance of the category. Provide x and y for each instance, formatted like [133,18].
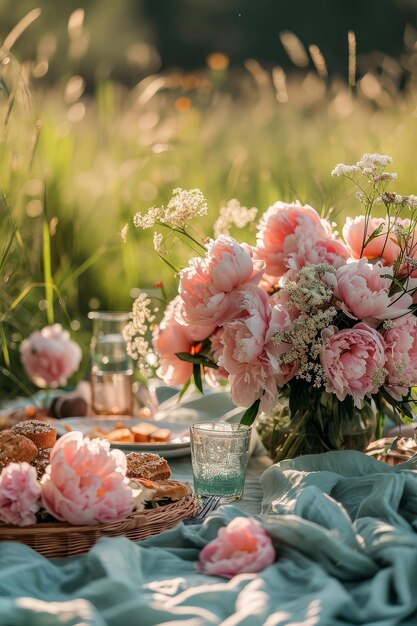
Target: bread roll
[42,434]
[147,465]
[15,448]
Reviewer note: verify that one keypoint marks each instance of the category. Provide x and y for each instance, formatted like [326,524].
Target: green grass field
[75,168]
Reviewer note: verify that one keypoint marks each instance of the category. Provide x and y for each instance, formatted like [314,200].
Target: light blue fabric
[344,527]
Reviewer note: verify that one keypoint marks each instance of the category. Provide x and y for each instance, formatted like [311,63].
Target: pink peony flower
[362,292]
[384,246]
[173,335]
[249,355]
[207,286]
[278,234]
[85,482]
[49,356]
[401,356]
[313,250]
[217,351]
[281,321]
[242,546]
[353,360]
[20,494]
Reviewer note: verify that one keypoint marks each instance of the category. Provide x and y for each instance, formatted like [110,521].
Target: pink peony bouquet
[321,319]
[84,484]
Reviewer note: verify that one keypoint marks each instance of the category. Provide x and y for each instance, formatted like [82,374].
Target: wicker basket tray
[61,540]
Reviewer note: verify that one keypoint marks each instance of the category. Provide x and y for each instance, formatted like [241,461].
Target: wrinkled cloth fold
[344,528]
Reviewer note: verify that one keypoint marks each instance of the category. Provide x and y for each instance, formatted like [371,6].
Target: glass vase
[324,426]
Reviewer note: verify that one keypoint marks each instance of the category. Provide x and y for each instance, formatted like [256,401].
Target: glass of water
[219,455]
[111,367]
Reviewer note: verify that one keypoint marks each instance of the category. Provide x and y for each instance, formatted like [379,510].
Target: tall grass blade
[4,347]
[47,266]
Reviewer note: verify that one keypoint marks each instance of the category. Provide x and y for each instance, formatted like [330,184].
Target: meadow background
[105,107]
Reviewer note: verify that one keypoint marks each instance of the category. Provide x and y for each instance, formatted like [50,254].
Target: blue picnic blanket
[344,527]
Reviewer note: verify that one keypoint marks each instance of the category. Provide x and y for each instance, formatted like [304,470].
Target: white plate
[179,444]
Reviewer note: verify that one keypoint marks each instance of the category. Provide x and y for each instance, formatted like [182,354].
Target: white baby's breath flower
[233,214]
[183,206]
[278,337]
[304,336]
[312,288]
[148,219]
[343,170]
[386,176]
[373,161]
[310,294]
[124,232]
[411,262]
[412,200]
[378,377]
[134,332]
[158,240]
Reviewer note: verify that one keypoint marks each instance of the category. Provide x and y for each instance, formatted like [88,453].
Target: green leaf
[395,282]
[250,414]
[402,408]
[184,389]
[376,233]
[298,396]
[406,414]
[197,359]
[197,377]
[175,269]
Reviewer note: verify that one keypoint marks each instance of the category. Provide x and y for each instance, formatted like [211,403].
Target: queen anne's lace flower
[184,205]
[344,170]
[134,333]
[373,161]
[233,214]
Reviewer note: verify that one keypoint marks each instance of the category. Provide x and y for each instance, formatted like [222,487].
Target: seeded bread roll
[42,434]
[147,465]
[15,448]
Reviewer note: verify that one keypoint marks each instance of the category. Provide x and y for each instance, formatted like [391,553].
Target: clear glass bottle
[111,367]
